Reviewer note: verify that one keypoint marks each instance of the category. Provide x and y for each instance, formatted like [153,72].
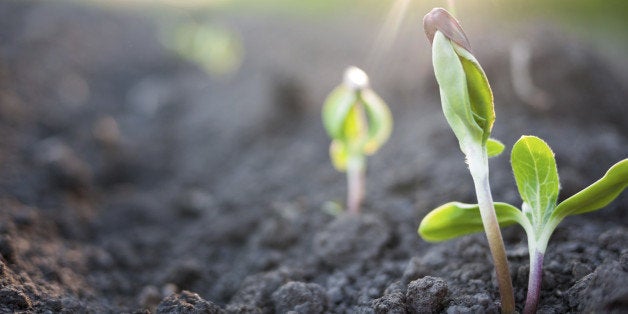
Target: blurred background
[183,89]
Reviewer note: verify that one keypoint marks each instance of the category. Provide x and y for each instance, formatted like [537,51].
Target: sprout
[535,172]
[359,123]
[467,102]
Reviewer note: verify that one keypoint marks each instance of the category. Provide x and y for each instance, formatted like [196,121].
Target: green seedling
[467,102]
[535,172]
[215,49]
[359,123]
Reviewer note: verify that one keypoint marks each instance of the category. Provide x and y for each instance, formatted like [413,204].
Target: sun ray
[388,33]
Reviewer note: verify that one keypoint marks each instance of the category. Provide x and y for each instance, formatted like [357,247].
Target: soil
[131,181]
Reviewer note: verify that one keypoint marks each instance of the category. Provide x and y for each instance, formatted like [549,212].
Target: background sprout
[216,49]
[536,175]
[359,123]
[467,102]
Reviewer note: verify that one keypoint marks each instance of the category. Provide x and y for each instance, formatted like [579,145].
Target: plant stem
[534,281]
[355,183]
[478,165]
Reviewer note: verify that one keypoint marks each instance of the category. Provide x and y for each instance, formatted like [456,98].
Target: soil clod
[427,295]
[300,297]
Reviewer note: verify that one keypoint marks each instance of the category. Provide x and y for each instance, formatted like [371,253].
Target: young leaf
[454,92]
[355,129]
[535,172]
[335,110]
[494,147]
[380,121]
[339,155]
[596,195]
[480,94]
[456,219]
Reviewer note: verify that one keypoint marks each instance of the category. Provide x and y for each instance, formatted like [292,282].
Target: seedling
[535,172]
[467,102]
[359,123]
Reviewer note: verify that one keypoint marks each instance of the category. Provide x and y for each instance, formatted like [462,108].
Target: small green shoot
[359,123]
[494,147]
[536,175]
[467,102]
[215,49]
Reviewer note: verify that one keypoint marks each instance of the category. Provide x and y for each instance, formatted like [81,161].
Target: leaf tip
[355,78]
[494,147]
[441,20]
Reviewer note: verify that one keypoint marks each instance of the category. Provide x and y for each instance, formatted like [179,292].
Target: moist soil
[132,181]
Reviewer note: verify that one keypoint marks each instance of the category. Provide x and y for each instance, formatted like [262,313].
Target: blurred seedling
[215,49]
[535,172]
[359,123]
[467,102]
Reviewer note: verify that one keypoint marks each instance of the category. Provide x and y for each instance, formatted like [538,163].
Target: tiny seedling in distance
[359,123]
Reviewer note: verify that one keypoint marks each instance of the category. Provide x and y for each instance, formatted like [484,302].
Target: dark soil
[131,181]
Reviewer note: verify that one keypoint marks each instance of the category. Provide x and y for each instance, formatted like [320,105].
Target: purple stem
[534,283]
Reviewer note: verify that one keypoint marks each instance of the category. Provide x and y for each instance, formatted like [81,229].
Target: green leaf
[494,147]
[379,119]
[596,195]
[535,171]
[339,155]
[456,219]
[355,128]
[454,92]
[480,94]
[336,109]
